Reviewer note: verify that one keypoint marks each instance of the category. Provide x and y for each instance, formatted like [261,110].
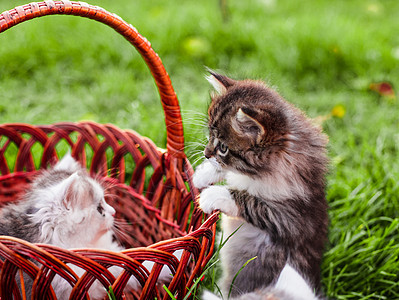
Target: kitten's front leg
[218,197]
[207,173]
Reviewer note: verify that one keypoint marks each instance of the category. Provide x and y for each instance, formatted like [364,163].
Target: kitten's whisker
[194,143]
[122,222]
[194,118]
[196,123]
[120,228]
[195,163]
[195,154]
[195,151]
[194,112]
[202,119]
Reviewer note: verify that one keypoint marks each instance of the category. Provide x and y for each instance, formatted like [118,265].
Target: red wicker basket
[161,209]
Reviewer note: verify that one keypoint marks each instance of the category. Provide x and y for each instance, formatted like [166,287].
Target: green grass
[318,54]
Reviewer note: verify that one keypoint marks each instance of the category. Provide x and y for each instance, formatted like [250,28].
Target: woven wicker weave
[155,197]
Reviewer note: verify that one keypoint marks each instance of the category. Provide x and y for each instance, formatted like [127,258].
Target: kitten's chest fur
[248,237]
[248,241]
[268,187]
[244,236]
[245,243]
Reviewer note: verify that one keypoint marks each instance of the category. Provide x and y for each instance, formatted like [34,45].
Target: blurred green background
[327,57]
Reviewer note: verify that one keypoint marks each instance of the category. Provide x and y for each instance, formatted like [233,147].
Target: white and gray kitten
[273,161]
[65,207]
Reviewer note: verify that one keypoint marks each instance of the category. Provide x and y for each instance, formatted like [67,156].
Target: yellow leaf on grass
[338,111]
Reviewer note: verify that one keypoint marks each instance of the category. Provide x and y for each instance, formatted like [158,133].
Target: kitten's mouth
[215,163]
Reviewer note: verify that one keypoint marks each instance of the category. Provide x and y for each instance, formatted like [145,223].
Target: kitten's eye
[222,149]
[100,209]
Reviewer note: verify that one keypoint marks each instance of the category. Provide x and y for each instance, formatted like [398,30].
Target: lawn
[324,56]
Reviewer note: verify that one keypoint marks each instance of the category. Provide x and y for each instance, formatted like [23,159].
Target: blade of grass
[239,271]
[169,292]
[110,293]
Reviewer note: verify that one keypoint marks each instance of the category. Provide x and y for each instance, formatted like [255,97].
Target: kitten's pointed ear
[67,163]
[219,82]
[246,125]
[70,190]
[78,191]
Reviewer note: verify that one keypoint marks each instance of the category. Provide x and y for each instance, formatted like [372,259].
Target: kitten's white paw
[218,197]
[209,296]
[208,173]
[293,284]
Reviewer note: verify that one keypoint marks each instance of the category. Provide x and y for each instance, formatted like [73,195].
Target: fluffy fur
[273,161]
[66,207]
[290,286]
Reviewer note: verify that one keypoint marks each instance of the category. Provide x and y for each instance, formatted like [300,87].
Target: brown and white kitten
[273,161]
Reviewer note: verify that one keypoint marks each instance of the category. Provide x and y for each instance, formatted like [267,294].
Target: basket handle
[170,103]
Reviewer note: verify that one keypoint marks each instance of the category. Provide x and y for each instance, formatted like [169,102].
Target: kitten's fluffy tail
[290,286]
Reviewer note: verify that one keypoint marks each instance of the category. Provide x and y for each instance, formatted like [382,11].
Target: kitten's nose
[208,153]
[113,211]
